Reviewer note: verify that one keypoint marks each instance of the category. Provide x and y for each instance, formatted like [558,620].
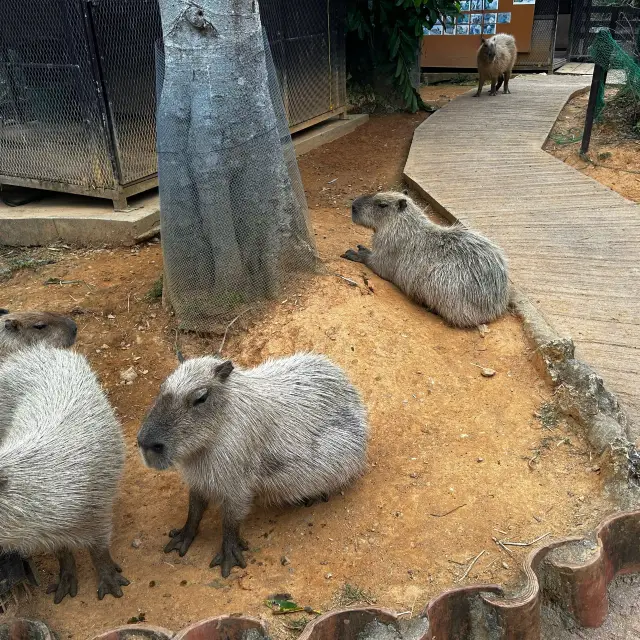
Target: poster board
[454,44]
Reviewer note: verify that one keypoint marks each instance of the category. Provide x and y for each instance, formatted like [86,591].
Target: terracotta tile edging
[578,587]
[148,632]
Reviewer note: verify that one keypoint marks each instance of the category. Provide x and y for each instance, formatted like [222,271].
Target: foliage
[387,35]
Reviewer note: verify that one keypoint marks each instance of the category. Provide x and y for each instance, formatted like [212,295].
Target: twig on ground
[129,302]
[442,515]
[413,607]
[499,543]
[525,544]
[224,337]
[466,573]
[353,283]
[177,350]
[61,282]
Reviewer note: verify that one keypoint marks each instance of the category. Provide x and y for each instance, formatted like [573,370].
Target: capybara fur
[61,457]
[25,328]
[452,271]
[496,59]
[290,431]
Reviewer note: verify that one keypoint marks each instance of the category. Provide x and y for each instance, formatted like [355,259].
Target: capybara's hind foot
[309,502]
[109,578]
[507,90]
[67,584]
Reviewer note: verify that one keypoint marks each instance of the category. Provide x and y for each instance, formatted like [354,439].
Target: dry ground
[614,155]
[442,436]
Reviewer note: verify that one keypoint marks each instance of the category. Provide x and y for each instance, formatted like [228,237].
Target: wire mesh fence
[543,37]
[610,56]
[233,211]
[51,123]
[589,17]
[77,86]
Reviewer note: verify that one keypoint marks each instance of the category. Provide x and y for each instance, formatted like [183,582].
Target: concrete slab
[326,132]
[614,77]
[78,221]
[83,221]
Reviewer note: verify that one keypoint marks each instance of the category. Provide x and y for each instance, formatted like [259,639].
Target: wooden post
[596,81]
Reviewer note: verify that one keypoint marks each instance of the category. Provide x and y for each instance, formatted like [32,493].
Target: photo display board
[455,43]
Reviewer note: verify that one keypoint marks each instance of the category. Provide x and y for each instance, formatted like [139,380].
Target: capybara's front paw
[181,540]
[352,255]
[111,581]
[230,556]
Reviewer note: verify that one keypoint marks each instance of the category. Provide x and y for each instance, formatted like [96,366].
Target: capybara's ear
[402,203]
[406,192]
[222,371]
[11,325]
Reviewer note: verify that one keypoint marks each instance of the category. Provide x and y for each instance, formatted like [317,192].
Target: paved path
[573,244]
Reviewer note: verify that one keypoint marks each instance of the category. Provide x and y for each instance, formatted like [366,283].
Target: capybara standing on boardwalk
[496,59]
[291,431]
[455,272]
[61,456]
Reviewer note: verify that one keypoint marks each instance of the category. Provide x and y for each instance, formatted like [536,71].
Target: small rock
[413,475]
[505,565]
[128,375]
[111,316]
[328,576]
[284,561]
[137,543]
[488,373]
[104,346]
[480,460]
[483,329]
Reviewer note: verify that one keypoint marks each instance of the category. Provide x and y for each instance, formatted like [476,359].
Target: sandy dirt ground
[456,459]
[614,156]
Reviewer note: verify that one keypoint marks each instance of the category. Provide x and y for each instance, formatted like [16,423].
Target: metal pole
[596,81]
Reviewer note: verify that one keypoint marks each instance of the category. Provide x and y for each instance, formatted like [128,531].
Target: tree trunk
[233,218]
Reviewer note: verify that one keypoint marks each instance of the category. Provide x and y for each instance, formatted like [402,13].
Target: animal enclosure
[77,87]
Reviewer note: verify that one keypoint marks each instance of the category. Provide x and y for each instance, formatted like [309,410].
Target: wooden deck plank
[573,244]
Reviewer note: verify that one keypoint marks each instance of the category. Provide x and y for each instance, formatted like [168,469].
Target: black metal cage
[77,87]
[541,56]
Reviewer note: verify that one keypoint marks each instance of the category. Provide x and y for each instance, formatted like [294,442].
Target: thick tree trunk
[233,226]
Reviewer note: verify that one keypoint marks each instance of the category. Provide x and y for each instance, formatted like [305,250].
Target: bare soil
[614,154]
[456,459]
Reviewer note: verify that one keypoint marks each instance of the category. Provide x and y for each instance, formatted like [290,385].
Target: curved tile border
[22,629]
[573,573]
[222,628]
[345,624]
[136,632]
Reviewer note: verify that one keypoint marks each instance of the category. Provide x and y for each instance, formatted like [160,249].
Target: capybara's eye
[382,205]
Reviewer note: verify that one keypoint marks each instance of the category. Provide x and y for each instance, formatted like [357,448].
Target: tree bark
[233,224]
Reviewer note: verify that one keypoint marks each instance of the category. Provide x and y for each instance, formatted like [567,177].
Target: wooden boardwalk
[573,244]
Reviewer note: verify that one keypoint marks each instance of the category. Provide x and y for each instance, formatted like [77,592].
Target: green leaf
[399,67]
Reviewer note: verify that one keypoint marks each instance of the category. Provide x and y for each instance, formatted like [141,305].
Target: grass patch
[13,265]
[155,293]
[352,594]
